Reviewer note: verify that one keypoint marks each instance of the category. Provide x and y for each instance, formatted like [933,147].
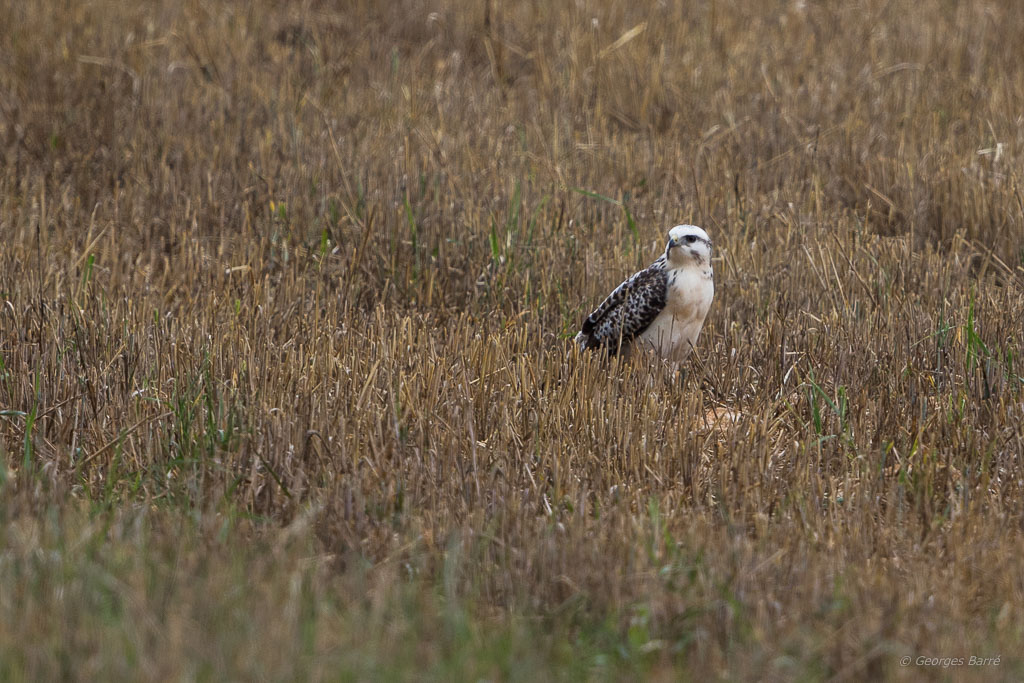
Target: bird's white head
[688,244]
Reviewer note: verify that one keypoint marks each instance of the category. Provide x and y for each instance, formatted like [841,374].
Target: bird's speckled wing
[627,311]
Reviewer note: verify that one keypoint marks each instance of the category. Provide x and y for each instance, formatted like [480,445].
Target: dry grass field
[286,299]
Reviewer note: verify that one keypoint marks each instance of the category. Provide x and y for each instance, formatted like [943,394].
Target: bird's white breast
[674,332]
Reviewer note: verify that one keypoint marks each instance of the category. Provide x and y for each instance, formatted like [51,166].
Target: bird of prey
[661,308]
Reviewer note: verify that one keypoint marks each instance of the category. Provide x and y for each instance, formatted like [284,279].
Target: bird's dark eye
[690,239]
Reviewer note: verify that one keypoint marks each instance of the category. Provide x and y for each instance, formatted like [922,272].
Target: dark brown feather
[627,311]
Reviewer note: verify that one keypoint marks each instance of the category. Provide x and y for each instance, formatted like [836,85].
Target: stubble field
[286,383]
